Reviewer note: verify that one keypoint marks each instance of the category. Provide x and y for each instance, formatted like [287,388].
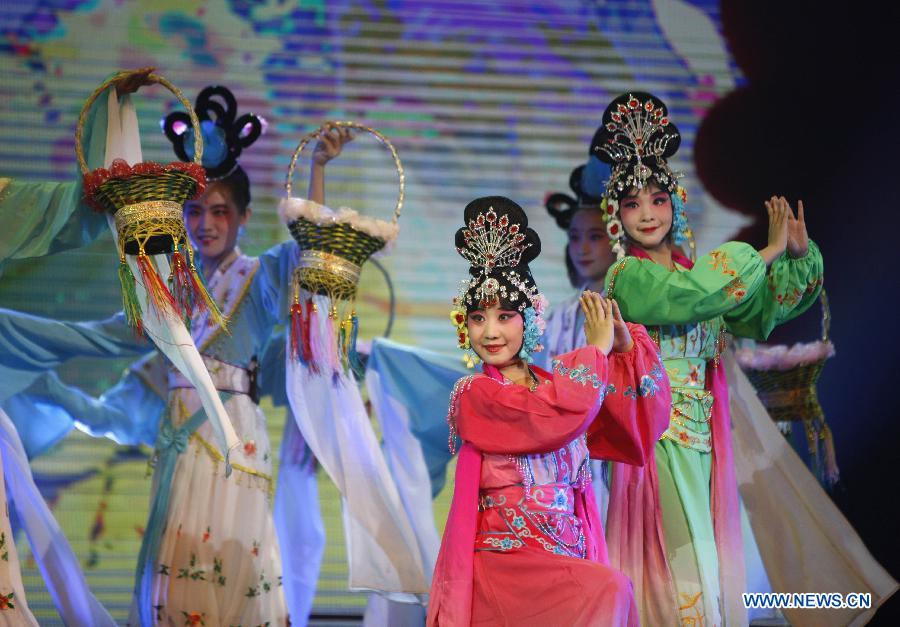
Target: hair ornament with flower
[459,317]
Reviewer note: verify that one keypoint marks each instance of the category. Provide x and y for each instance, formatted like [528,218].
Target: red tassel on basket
[203,300]
[183,286]
[330,347]
[307,335]
[296,330]
[157,292]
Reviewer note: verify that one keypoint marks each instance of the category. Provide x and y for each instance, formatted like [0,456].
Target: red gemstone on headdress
[657,113]
[664,121]
[460,318]
[514,229]
[623,109]
[491,216]
[616,117]
[610,209]
[610,127]
[633,103]
[648,106]
[614,229]
[480,221]
[519,238]
[504,221]
[638,140]
[462,337]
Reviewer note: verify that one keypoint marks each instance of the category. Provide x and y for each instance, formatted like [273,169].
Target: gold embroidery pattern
[612,280]
[217,456]
[691,610]
[737,289]
[720,261]
[791,297]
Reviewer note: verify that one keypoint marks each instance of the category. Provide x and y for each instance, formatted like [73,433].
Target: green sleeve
[45,218]
[649,293]
[792,285]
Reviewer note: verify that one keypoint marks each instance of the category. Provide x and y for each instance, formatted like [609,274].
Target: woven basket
[146,201]
[333,249]
[790,396]
[332,254]
[160,228]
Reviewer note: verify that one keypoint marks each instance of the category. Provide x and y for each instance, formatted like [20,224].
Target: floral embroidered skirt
[219,561]
[13,608]
[530,570]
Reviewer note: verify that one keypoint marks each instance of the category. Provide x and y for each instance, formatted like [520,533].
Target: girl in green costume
[674,527]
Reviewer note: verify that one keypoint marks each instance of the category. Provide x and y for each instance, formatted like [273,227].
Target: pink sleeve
[638,400]
[512,419]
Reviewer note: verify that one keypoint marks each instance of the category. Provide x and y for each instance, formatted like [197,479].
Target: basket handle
[153,78]
[826,315]
[288,184]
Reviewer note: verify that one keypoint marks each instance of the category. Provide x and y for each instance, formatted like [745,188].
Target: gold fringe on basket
[137,224]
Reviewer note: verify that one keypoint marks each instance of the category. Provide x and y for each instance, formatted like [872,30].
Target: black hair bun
[225,134]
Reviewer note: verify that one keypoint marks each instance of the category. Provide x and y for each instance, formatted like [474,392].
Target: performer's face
[496,335]
[647,216]
[589,248]
[213,222]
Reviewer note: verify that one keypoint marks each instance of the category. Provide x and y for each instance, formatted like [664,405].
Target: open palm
[798,240]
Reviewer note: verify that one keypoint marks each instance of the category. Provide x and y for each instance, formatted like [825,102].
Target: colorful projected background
[479,98]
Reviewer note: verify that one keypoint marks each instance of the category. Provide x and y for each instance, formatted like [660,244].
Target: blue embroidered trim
[579,374]
[649,385]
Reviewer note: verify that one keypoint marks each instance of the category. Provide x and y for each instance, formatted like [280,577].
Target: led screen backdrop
[479,98]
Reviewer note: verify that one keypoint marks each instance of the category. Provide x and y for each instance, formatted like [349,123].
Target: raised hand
[778,210]
[798,240]
[598,321]
[622,342]
[331,141]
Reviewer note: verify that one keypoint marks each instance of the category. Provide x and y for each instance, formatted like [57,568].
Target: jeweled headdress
[498,245]
[225,135]
[637,138]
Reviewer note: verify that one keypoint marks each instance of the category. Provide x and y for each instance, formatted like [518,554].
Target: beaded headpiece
[637,138]
[498,245]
